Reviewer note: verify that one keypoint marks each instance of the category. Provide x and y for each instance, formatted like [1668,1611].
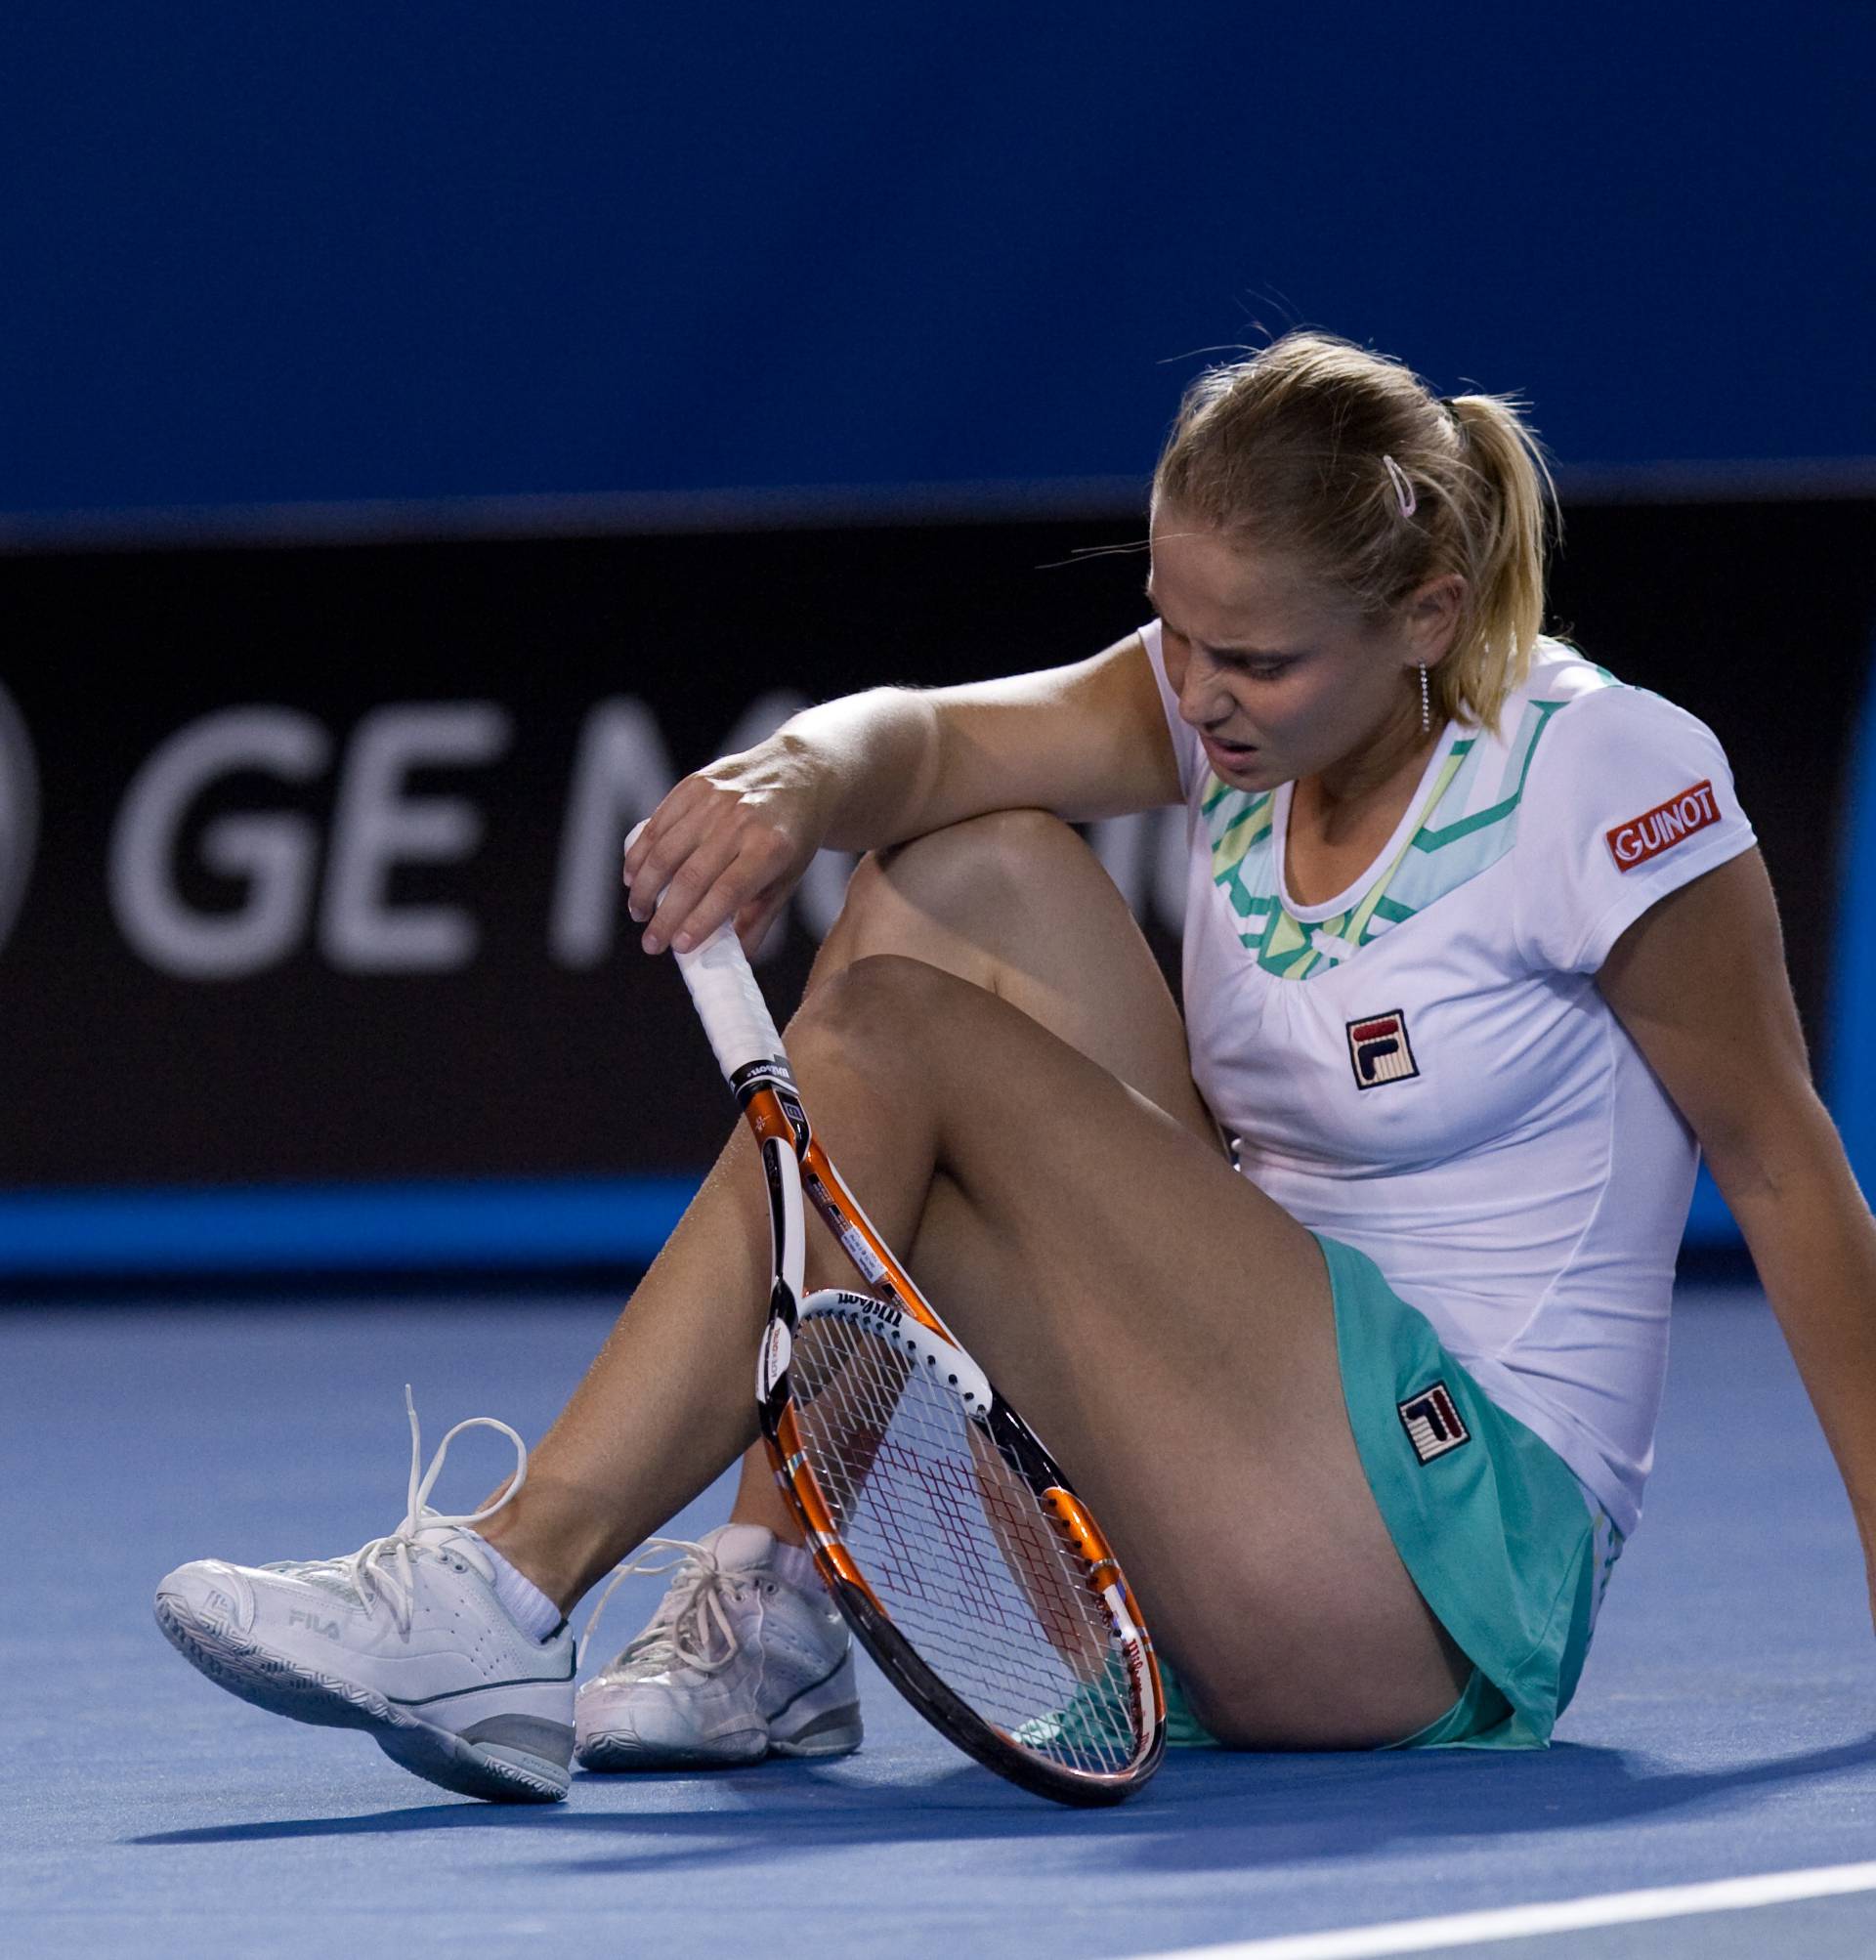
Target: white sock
[526,1603]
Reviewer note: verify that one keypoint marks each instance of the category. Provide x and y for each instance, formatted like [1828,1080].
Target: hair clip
[1403,489]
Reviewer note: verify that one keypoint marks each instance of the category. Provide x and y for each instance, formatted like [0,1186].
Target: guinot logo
[1634,844]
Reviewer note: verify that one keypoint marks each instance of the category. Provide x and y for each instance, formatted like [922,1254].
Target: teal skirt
[1491,1523]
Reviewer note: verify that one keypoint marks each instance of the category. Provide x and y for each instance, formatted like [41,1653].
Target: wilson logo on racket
[1380,1051]
[1433,1422]
[878,1310]
[768,1073]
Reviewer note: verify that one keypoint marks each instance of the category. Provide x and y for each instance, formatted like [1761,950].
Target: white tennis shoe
[403,1637]
[742,1660]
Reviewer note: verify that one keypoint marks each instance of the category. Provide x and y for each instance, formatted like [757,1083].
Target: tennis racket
[952,1542]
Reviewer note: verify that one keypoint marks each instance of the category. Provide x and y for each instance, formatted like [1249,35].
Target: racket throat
[787,1224]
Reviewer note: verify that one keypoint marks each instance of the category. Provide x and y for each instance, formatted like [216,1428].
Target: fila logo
[1380,1051]
[1433,1422]
[328,1627]
[1659,830]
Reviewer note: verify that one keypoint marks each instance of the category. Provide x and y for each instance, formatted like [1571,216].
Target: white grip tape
[729,1003]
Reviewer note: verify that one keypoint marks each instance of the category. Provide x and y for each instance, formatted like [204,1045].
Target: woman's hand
[878,768]
[732,841]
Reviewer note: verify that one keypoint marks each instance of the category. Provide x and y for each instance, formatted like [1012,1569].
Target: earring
[1426,704]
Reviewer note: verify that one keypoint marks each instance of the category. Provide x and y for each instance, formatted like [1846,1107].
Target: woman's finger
[758,875]
[667,837]
[689,885]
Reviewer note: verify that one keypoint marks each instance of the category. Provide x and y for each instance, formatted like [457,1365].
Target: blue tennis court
[1724,1728]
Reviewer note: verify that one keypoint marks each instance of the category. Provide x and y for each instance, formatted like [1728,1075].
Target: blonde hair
[1289,445]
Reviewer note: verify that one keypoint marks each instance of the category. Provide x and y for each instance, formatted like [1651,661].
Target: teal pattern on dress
[1436,858]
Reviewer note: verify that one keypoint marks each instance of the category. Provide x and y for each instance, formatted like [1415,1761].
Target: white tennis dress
[1424,1068]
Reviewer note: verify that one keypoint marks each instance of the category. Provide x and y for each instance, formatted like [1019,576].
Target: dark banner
[308,857]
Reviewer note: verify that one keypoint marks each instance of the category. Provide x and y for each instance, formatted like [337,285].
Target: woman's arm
[878,768]
[1699,982]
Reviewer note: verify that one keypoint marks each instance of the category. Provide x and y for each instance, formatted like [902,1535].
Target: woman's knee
[881,1001]
[985,870]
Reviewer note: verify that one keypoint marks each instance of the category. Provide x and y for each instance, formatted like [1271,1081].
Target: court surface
[1726,1728]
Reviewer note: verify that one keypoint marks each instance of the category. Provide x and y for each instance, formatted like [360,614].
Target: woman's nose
[1201,699]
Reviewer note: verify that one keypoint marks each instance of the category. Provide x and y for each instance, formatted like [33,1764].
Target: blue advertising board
[281,256]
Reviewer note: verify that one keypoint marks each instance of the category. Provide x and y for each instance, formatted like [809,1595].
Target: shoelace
[697,1607]
[382,1567]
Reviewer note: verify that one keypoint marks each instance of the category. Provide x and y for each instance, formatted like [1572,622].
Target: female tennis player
[1343,1301]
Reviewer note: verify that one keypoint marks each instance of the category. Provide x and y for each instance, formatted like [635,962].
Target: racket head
[1071,1708]
[958,1552]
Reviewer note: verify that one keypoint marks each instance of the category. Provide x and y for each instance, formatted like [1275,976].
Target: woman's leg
[1166,1327]
[1016,904]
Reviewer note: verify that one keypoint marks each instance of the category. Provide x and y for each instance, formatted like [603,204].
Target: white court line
[1523,1922]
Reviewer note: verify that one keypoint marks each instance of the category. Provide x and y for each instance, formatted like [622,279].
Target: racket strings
[974,1571]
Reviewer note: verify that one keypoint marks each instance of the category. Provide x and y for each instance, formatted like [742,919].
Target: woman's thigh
[1017,904]
[1167,1328]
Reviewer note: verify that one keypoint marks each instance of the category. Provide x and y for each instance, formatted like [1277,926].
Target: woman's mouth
[1228,755]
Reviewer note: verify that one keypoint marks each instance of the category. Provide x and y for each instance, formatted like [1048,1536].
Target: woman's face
[1280,681]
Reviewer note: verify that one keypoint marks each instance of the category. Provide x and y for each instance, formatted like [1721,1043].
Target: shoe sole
[612,1753]
[302,1694]
[835,1733]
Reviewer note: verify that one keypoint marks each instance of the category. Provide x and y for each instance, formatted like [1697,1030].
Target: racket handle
[729,1003]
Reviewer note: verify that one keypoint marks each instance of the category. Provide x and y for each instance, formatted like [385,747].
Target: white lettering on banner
[379,826]
[275,853]
[18,813]
[621,772]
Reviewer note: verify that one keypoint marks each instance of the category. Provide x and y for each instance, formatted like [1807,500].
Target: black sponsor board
[320,879]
